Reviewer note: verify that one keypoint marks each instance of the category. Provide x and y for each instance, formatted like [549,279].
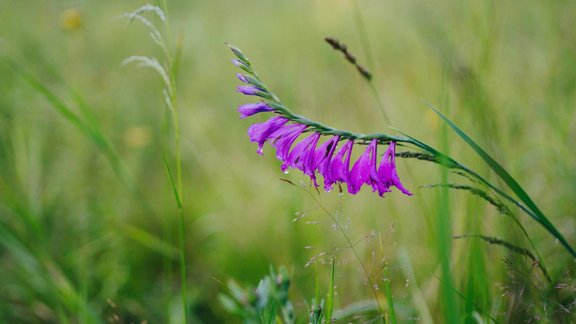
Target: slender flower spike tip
[248,90]
[242,77]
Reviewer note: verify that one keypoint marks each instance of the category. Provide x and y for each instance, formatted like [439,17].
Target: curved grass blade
[531,209]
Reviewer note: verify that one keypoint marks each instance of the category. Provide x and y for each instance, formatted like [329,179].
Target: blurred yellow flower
[137,136]
[70,20]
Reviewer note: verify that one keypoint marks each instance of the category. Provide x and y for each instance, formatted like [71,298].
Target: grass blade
[389,298]
[532,210]
[330,296]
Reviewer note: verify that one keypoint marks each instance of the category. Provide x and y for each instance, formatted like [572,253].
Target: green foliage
[89,193]
[267,303]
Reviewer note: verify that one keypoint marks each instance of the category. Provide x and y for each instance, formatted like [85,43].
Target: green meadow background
[88,221]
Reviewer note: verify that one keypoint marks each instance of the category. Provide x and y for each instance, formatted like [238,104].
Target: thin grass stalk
[367,47]
[351,245]
[418,299]
[330,296]
[444,237]
[389,297]
[363,34]
[178,152]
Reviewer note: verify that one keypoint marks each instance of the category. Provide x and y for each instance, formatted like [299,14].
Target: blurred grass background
[78,243]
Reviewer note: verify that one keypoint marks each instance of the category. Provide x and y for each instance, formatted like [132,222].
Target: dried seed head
[341,47]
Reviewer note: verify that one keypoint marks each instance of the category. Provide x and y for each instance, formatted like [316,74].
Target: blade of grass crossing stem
[444,228]
[330,296]
[534,211]
[172,183]
[183,289]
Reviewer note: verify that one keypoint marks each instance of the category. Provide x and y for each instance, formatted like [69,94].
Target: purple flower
[242,77]
[387,172]
[248,90]
[322,157]
[311,160]
[338,167]
[364,170]
[283,140]
[261,132]
[299,155]
[253,108]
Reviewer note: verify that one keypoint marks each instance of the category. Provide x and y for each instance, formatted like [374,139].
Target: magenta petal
[339,166]
[388,174]
[284,139]
[322,158]
[253,108]
[297,157]
[322,155]
[261,132]
[363,169]
[309,165]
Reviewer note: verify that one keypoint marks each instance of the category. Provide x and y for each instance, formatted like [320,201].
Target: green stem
[178,152]
[363,35]
[389,298]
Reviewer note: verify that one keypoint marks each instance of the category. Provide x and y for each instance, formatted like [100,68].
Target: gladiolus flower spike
[332,161]
[329,159]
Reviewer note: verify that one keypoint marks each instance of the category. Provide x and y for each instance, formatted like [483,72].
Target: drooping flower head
[330,159]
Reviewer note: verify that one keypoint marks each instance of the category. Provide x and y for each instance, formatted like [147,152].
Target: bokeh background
[90,235]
